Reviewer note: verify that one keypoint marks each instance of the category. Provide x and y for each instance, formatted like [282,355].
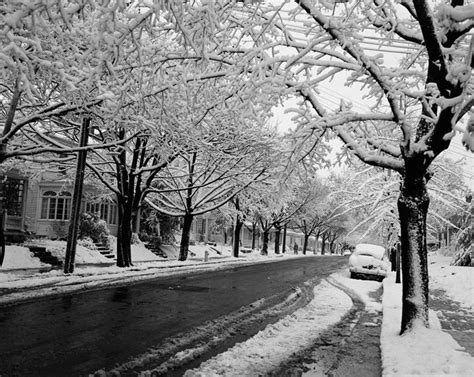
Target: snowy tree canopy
[413,73]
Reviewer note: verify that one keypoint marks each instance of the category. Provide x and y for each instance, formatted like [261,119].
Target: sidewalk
[424,351]
[455,319]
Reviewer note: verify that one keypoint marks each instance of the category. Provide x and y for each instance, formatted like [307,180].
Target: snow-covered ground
[429,352]
[426,352]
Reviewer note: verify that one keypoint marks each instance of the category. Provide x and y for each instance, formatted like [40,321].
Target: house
[41,206]
[204,230]
[13,195]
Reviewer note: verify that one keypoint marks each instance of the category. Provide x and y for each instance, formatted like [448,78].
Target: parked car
[368,262]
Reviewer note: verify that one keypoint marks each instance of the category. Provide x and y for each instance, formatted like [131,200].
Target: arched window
[56,206]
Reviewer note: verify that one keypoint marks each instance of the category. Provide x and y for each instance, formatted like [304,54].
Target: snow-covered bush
[87,242]
[93,227]
[59,230]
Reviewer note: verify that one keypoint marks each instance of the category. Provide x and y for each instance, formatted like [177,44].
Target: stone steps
[45,256]
[105,251]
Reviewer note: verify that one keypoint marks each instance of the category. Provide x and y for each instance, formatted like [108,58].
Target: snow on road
[271,346]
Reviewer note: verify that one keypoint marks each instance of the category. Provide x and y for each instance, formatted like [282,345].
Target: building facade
[41,207]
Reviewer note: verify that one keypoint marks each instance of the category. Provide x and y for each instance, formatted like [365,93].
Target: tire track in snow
[266,350]
[169,357]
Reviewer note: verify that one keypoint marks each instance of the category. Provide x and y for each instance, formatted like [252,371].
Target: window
[113,214]
[11,195]
[106,211]
[56,206]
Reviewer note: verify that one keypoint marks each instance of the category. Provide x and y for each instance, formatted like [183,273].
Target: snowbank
[20,257]
[139,251]
[83,255]
[361,288]
[198,252]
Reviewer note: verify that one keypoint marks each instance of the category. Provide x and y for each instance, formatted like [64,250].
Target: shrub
[92,226]
[87,243]
[60,230]
[154,242]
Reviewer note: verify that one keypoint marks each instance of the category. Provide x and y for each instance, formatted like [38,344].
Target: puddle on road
[185,288]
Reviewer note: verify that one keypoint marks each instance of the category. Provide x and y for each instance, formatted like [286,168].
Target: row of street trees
[162,82]
[301,203]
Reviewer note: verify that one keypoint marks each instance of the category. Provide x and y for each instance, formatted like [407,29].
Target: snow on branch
[371,158]
[458,13]
[332,27]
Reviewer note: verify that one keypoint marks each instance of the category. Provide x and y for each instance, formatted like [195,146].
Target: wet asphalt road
[77,334]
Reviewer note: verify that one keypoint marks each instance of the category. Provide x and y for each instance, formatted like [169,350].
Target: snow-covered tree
[278,202]
[312,215]
[117,65]
[417,87]
[449,218]
[229,154]
[56,59]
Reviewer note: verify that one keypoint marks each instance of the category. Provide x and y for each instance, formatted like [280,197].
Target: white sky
[334,90]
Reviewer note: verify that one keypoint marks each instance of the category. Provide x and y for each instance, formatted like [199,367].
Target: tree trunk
[305,243]
[254,229]
[2,235]
[237,230]
[136,221]
[124,235]
[277,239]
[323,245]
[316,243]
[283,246]
[185,235]
[265,242]
[225,235]
[331,247]
[413,206]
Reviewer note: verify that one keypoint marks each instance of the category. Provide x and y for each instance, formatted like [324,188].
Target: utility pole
[397,263]
[76,199]
[470,231]
[3,217]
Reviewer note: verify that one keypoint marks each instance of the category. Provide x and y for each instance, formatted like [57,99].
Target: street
[78,334]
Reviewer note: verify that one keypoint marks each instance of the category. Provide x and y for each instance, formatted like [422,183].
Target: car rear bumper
[367,271]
